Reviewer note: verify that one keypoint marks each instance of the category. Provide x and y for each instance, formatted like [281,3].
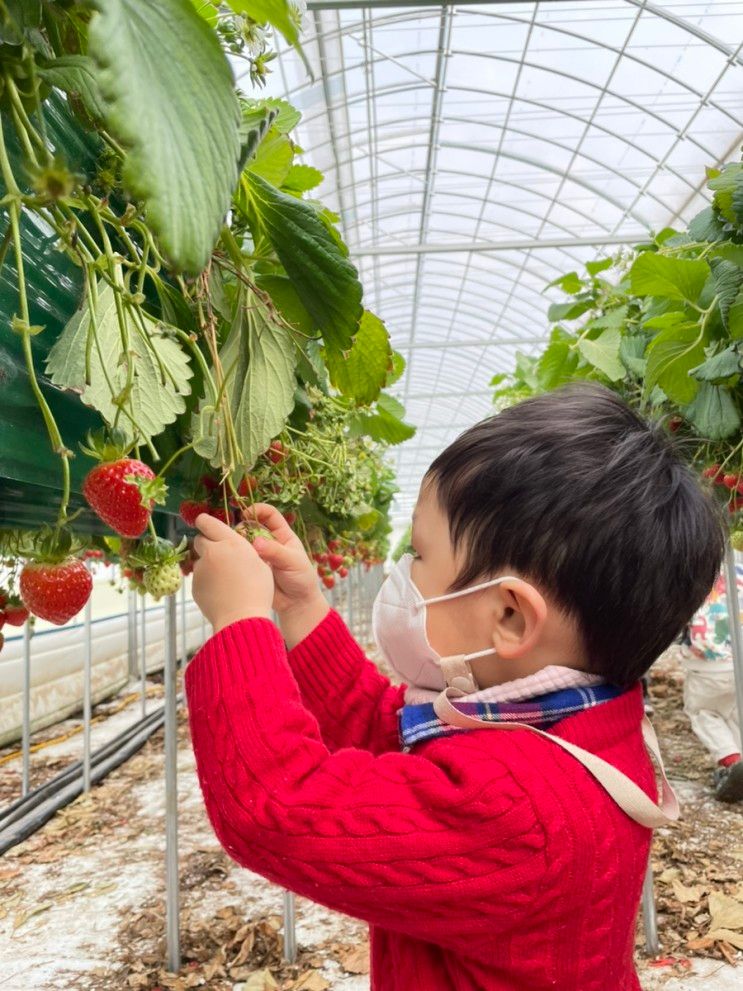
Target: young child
[485,853]
[709,688]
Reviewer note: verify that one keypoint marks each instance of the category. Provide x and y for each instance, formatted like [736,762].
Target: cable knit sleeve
[436,850]
[353,703]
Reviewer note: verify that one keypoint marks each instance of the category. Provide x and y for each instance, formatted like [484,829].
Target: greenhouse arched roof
[475,152]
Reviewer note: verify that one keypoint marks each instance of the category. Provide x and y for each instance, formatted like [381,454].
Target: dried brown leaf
[356,960]
[726,912]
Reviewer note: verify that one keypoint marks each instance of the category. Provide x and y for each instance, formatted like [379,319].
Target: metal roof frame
[388,123]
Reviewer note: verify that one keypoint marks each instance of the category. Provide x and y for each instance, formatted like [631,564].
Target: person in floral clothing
[709,688]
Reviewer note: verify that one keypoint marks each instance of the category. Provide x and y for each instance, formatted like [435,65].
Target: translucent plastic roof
[476,152]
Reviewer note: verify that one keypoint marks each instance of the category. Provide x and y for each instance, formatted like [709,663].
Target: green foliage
[185,169]
[259,360]
[663,326]
[325,280]
[143,371]
[76,75]
[362,372]
[386,425]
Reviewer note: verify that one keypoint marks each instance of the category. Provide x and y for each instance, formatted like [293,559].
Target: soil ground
[82,901]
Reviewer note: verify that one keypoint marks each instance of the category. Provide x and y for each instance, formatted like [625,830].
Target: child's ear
[519,616]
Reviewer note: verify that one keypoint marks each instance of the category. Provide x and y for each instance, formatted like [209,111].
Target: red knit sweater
[485,860]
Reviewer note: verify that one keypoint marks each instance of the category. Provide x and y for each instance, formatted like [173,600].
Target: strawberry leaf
[178,125]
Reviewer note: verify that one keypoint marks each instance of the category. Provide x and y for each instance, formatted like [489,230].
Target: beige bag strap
[628,795]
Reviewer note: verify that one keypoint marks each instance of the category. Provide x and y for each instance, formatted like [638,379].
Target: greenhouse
[371,495]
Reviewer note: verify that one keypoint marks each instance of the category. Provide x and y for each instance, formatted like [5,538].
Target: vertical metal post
[131,633]
[26,731]
[736,637]
[184,631]
[290,921]
[649,918]
[350,587]
[143,658]
[290,927]
[171,789]
[87,686]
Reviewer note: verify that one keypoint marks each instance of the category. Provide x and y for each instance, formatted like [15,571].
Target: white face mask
[399,627]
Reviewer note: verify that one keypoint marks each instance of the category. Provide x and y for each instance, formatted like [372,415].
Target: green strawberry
[162,579]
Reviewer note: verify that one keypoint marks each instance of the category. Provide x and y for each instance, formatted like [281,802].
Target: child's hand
[230,582]
[298,601]
[294,574]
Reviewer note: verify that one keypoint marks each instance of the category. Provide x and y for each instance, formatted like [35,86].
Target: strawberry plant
[663,326]
[215,325]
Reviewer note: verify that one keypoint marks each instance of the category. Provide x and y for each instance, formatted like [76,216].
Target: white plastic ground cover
[57,665]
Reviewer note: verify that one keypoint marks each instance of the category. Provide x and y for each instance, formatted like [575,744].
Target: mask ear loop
[466,591]
[457,670]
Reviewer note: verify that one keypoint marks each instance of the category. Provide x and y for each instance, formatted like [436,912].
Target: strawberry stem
[171,459]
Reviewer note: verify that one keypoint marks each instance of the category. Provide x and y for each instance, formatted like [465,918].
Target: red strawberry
[209,483]
[333,545]
[711,471]
[16,615]
[55,592]
[2,641]
[117,501]
[218,512]
[291,518]
[343,572]
[674,423]
[189,510]
[276,451]
[3,618]
[335,561]
[186,566]
[3,599]
[249,484]
[730,481]
[328,581]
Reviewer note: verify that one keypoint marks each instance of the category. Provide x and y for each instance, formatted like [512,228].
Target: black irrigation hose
[22,805]
[31,812]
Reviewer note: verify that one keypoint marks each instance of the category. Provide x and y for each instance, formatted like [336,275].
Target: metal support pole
[290,927]
[171,788]
[131,633]
[350,588]
[87,687]
[649,918]
[143,659]
[290,921]
[184,632]
[26,731]
[736,636]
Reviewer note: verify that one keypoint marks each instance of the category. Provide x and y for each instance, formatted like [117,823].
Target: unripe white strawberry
[162,579]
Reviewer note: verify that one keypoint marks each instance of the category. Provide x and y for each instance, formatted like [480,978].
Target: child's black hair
[575,490]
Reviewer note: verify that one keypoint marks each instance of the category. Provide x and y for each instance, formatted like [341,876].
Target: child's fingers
[273,553]
[273,521]
[212,529]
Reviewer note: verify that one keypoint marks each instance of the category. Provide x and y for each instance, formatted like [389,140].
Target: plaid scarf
[420,722]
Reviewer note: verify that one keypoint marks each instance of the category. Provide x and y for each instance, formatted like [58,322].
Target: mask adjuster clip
[458,674]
